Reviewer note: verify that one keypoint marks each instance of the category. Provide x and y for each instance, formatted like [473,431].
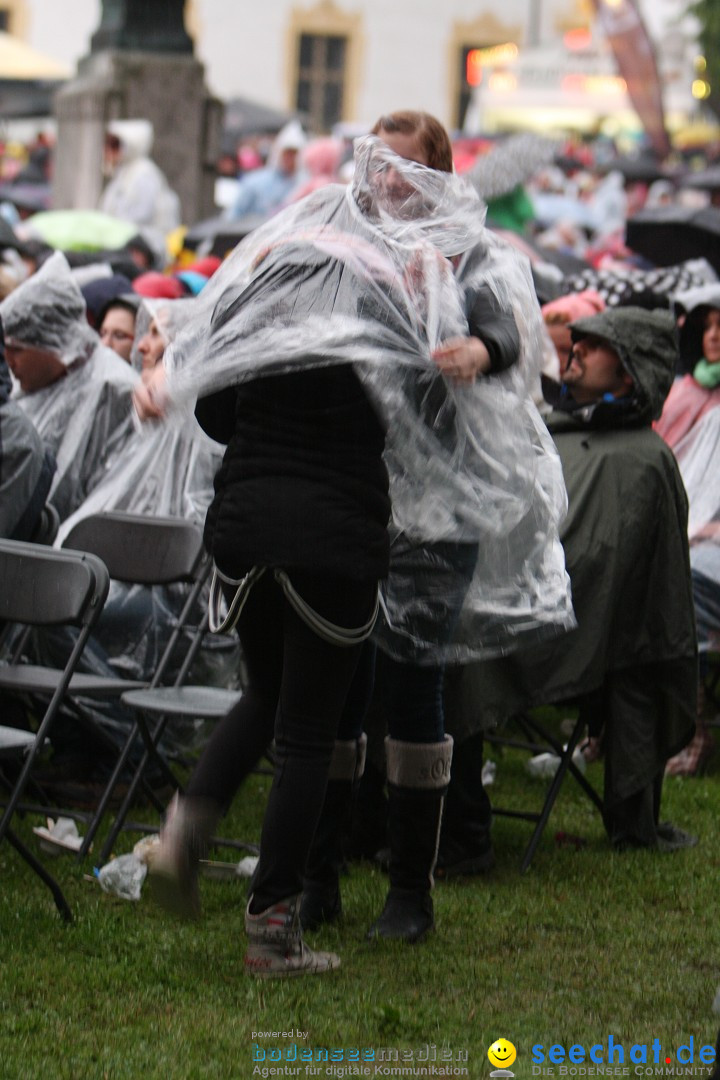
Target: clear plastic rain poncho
[84,418]
[378,274]
[166,469]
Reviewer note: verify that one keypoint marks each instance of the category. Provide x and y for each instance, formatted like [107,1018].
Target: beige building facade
[348,61]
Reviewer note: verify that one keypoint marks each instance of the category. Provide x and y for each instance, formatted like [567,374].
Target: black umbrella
[706,179]
[30,197]
[217,236]
[671,234]
[642,169]
[244,118]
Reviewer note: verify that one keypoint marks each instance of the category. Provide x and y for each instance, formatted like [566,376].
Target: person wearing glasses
[117,325]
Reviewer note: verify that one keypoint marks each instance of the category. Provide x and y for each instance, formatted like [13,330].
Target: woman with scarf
[697,391]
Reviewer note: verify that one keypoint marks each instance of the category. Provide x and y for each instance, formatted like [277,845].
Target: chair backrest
[141,550]
[40,586]
[48,526]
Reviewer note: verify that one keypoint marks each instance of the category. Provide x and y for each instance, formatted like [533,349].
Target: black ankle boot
[407,916]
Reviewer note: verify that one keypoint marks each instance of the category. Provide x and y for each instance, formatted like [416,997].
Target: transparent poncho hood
[48,312]
[170,317]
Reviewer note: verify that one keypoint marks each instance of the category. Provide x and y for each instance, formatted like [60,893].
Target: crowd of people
[449,439]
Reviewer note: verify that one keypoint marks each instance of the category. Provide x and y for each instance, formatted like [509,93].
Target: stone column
[140,65]
[142,26]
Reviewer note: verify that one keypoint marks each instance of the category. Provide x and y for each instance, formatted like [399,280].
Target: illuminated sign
[594,84]
[473,68]
[488,57]
[578,39]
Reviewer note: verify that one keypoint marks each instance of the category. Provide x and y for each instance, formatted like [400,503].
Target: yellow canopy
[20,61]
[699,133]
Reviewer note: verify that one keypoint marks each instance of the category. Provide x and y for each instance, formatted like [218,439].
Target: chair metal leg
[586,785]
[560,751]
[58,896]
[42,732]
[552,794]
[151,750]
[108,793]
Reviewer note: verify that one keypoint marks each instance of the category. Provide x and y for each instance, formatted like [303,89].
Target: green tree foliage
[708,14]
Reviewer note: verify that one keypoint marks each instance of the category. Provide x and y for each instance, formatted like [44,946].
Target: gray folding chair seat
[202,702]
[14,739]
[167,703]
[32,678]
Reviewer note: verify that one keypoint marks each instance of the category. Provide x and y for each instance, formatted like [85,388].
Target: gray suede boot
[418,776]
[173,867]
[276,949]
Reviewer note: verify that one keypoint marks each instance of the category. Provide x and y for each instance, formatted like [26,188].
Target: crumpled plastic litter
[144,848]
[544,766]
[123,876]
[489,772]
[246,867]
[564,839]
[58,836]
[221,871]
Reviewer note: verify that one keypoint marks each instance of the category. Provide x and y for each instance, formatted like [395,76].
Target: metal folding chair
[41,587]
[148,551]
[166,704]
[539,740]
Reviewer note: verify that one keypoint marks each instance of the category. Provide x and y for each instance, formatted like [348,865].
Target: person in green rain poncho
[631,663]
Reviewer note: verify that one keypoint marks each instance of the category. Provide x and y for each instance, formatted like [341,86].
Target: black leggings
[297,687]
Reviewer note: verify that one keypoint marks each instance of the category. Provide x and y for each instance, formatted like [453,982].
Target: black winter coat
[302,484]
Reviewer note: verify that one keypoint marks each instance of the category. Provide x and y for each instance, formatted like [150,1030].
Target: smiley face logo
[502,1053]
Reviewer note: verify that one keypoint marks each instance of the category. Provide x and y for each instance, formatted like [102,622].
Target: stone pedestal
[165,88]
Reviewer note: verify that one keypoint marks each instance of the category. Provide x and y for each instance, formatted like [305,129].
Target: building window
[321,78]
[14,18]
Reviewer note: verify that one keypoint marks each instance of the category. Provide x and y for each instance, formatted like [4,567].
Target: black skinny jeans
[297,687]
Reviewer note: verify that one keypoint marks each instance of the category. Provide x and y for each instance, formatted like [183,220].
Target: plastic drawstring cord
[336,635]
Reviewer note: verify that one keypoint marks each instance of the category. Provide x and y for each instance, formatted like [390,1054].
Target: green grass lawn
[589,944]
